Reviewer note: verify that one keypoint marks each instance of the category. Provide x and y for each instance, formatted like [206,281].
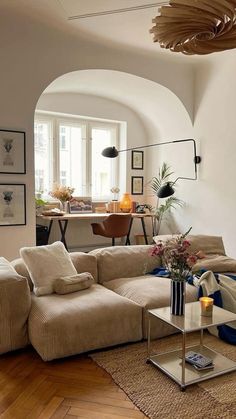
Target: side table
[173,362]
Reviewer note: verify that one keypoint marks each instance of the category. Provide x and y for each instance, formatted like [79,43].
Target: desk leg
[63,231]
[144,230]
[127,238]
[49,229]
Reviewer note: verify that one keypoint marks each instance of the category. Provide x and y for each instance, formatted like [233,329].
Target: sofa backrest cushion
[82,262]
[85,262]
[208,244]
[124,262]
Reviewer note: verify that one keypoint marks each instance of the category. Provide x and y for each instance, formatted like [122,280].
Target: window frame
[87,125]
[43,118]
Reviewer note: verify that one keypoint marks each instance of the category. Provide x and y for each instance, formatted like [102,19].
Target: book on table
[198,360]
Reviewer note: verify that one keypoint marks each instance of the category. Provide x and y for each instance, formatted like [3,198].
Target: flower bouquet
[177,259]
[63,193]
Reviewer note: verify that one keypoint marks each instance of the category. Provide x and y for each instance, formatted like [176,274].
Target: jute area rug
[156,395]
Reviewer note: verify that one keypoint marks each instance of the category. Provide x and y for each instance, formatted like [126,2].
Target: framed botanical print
[12,204]
[137,185]
[137,160]
[12,152]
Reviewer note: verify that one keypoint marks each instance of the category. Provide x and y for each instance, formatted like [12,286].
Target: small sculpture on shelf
[115,191]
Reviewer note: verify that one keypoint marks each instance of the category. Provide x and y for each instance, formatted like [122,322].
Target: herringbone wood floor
[70,388]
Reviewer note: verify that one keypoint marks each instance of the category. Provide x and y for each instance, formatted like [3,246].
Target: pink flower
[191,260]
[175,256]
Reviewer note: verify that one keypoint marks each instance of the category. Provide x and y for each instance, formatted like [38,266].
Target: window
[43,169]
[103,170]
[68,152]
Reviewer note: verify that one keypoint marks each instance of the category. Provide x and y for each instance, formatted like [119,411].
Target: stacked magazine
[200,362]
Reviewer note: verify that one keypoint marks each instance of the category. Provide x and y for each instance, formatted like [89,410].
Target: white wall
[32,55]
[213,200]
[79,235]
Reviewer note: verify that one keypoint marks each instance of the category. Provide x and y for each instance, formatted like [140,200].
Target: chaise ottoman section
[64,325]
[150,292]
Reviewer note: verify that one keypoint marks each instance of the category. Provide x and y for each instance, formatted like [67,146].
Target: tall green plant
[162,209]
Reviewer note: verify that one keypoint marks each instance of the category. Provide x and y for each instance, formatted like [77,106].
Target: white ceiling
[129,29]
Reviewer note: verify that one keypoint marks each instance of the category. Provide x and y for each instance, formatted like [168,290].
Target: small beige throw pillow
[46,264]
[68,284]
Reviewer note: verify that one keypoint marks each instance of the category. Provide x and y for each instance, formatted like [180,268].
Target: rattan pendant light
[196,26]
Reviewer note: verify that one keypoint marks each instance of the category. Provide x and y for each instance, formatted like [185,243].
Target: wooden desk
[64,219]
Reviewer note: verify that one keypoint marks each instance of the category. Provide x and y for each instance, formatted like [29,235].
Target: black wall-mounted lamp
[167,189]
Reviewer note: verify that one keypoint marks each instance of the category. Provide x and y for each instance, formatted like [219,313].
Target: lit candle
[206,306]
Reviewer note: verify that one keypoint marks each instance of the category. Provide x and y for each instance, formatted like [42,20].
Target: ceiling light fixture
[123,10]
[196,26]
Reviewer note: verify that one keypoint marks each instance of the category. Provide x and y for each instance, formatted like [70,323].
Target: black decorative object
[166,190]
[177,297]
[112,152]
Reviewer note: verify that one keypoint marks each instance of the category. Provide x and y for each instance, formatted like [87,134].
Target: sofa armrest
[15,302]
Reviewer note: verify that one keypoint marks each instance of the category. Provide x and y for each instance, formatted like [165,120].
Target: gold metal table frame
[173,362]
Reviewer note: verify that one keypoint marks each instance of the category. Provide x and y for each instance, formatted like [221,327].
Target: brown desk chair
[116,225]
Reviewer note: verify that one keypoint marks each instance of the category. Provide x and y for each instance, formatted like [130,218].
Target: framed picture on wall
[137,185]
[80,204]
[12,204]
[137,160]
[12,152]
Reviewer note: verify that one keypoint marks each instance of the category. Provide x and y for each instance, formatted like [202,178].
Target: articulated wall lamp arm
[167,188]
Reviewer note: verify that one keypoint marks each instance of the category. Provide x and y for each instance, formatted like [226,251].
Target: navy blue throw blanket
[226,333]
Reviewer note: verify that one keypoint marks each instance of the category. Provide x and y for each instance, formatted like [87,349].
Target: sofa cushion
[14,308]
[216,263]
[208,244]
[45,264]
[124,261]
[150,292]
[64,325]
[83,262]
[73,283]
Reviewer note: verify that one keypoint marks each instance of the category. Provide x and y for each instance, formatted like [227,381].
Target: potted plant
[162,209]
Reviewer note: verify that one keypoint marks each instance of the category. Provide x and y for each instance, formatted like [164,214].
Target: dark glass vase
[177,297]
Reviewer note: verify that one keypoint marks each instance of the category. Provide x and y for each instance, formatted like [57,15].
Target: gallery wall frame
[12,204]
[12,152]
[137,160]
[137,185]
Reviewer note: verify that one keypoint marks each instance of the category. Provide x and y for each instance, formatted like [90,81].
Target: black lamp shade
[165,191]
[110,152]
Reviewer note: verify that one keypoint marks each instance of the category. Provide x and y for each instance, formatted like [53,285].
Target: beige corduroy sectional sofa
[112,311]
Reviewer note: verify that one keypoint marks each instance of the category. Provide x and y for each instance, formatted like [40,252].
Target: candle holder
[206,306]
